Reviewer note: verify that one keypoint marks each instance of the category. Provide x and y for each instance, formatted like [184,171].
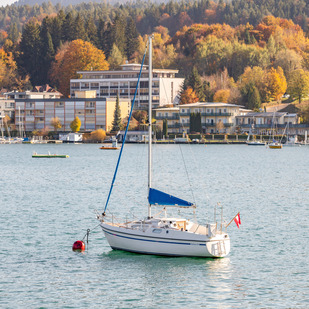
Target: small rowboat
[49,155]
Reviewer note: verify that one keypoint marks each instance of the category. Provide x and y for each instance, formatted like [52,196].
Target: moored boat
[49,155]
[162,234]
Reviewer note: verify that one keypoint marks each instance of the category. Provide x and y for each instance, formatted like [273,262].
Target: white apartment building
[215,117]
[171,115]
[165,86]
[264,123]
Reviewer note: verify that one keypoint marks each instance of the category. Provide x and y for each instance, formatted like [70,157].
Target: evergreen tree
[91,31]
[115,59]
[131,38]
[194,81]
[118,33]
[165,128]
[254,99]
[105,41]
[47,50]
[56,29]
[68,28]
[13,33]
[79,28]
[30,47]
[48,56]
[117,117]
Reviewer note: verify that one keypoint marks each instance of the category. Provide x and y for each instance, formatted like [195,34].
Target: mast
[149,120]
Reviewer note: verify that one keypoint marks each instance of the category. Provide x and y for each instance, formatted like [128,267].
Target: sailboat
[162,235]
[274,144]
[253,142]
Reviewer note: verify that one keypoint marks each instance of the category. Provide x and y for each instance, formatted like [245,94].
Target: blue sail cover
[157,197]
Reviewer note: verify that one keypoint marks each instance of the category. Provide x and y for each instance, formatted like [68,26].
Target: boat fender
[79,245]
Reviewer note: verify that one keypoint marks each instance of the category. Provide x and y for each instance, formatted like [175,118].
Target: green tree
[47,53]
[56,29]
[118,33]
[115,58]
[30,56]
[194,81]
[131,38]
[68,28]
[254,99]
[117,117]
[195,122]
[298,84]
[79,28]
[165,128]
[75,124]
[91,31]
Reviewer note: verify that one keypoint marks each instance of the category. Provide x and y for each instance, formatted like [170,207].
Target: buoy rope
[88,232]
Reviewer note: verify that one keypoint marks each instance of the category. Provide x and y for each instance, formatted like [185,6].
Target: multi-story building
[171,115]
[215,117]
[264,123]
[94,113]
[165,86]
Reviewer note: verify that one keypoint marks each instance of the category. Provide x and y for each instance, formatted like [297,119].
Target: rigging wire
[126,131]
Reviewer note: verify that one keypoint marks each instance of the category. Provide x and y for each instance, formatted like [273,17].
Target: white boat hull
[168,243]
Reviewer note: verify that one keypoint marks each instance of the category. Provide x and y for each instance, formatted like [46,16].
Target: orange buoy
[79,245]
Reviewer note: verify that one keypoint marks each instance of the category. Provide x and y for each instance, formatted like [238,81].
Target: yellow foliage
[222,95]
[78,55]
[276,83]
[98,135]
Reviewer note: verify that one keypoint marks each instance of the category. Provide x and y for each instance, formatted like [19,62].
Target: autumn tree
[117,117]
[98,135]
[56,123]
[276,83]
[76,56]
[298,84]
[75,124]
[220,126]
[188,96]
[222,95]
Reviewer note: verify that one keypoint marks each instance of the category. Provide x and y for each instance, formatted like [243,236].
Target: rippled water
[47,204]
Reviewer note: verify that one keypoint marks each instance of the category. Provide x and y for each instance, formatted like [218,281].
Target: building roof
[173,108]
[267,114]
[44,88]
[209,104]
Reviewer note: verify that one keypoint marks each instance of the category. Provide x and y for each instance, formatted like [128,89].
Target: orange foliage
[75,56]
[188,96]
[292,35]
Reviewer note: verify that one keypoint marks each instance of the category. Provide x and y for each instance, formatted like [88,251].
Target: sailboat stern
[219,247]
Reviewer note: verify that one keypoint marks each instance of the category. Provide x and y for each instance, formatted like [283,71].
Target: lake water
[47,204]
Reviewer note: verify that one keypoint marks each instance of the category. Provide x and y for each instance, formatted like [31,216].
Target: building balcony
[217,114]
[175,117]
[174,126]
[184,114]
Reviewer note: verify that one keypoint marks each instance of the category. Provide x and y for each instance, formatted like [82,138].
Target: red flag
[237,220]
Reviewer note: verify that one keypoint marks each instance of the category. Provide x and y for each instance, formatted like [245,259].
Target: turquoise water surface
[47,204]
